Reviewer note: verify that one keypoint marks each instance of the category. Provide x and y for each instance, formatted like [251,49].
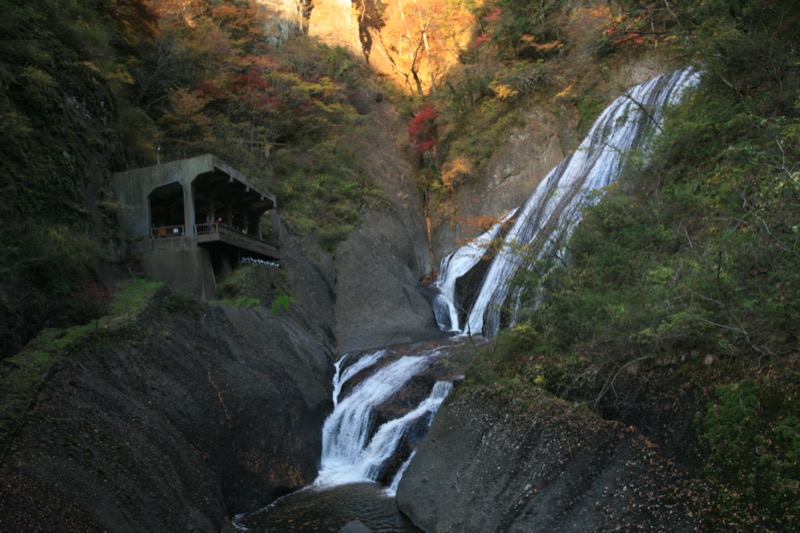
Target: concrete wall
[134,186]
[177,261]
[181,264]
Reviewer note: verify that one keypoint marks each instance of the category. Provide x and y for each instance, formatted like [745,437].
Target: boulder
[495,461]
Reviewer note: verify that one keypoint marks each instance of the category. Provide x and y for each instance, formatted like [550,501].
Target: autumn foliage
[93,87]
[423,129]
[422,38]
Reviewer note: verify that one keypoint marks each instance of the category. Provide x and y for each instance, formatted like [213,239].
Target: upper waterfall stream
[543,224]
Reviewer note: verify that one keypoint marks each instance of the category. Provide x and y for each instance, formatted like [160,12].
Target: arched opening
[166,211]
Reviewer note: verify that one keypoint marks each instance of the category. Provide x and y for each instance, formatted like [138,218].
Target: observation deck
[193,220]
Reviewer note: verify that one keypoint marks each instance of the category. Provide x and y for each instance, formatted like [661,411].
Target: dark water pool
[328,510]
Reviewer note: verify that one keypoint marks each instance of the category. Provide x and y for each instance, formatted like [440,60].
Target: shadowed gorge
[609,190]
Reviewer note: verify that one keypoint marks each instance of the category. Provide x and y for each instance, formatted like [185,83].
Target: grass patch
[131,298]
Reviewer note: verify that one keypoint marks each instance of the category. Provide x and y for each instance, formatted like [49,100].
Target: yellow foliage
[567,93]
[186,103]
[454,171]
[90,65]
[544,48]
[504,91]
[186,119]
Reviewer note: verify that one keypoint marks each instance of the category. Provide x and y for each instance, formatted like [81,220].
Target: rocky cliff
[178,421]
[195,413]
[497,460]
[380,265]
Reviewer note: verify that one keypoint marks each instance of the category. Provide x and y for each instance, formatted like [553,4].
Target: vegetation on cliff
[682,282]
[558,56]
[683,278]
[89,88]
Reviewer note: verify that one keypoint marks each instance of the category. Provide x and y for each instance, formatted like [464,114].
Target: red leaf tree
[423,129]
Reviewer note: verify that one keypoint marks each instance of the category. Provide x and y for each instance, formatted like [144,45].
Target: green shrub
[281,303]
[752,432]
[504,359]
[178,303]
[321,190]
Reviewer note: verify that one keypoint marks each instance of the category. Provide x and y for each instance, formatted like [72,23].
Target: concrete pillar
[188,210]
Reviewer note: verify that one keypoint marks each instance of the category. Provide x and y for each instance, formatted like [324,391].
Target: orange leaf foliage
[454,171]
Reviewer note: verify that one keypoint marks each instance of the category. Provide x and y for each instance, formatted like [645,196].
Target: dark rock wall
[379,266]
[499,462]
[179,421]
[174,425]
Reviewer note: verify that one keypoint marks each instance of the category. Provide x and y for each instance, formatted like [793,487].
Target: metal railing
[161,232]
[211,228]
[218,227]
[207,228]
[224,231]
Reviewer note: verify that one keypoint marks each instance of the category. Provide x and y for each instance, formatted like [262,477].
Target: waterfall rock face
[378,267]
[491,465]
[544,223]
[544,135]
[335,22]
[531,151]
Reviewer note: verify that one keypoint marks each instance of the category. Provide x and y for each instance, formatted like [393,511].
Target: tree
[424,39]
[423,130]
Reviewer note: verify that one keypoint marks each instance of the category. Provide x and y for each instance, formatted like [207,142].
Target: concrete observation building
[193,221]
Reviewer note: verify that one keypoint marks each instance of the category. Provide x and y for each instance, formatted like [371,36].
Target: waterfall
[352,449]
[355,448]
[547,218]
[453,267]
[386,440]
[340,378]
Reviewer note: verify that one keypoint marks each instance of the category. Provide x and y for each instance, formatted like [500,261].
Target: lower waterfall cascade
[363,456]
[543,224]
[353,449]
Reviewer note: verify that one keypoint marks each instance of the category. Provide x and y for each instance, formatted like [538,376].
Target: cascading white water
[386,439]
[391,490]
[453,267]
[548,216]
[340,378]
[351,451]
